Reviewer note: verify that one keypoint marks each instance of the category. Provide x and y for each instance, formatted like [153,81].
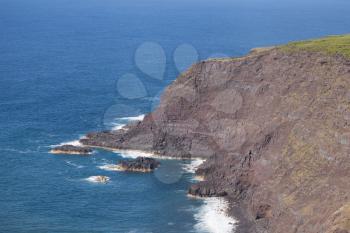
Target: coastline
[215,214]
[58,152]
[126,153]
[212,207]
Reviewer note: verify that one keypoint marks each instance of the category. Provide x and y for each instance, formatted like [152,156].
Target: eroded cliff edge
[274,127]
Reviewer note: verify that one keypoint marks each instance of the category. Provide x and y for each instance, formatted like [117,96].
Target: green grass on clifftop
[331,45]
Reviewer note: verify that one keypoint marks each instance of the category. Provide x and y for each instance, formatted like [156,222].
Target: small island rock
[70,149]
[140,164]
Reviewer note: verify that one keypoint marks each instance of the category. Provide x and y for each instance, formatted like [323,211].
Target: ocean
[69,67]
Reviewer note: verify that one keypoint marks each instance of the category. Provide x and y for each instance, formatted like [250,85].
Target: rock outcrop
[70,149]
[274,127]
[206,189]
[140,164]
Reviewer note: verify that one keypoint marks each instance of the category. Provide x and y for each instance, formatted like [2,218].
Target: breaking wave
[98,179]
[119,123]
[212,217]
[109,167]
[134,118]
[193,165]
[73,143]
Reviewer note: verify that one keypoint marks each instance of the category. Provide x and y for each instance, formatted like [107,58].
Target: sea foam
[74,164]
[134,118]
[73,142]
[109,167]
[117,126]
[133,154]
[121,122]
[193,165]
[98,179]
[212,217]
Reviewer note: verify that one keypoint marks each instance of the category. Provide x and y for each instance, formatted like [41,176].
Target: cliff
[274,127]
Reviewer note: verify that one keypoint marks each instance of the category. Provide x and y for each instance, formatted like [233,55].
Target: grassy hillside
[332,45]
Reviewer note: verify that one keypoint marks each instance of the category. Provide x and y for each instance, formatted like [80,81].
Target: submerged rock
[140,164]
[70,149]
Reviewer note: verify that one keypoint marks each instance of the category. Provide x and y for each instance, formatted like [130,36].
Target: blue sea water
[60,62]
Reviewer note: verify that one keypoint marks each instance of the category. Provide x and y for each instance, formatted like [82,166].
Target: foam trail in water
[109,167]
[134,118]
[133,154]
[74,164]
[123,121]
[73,143]
[98,179]
[17,151]
[212,217]
[193,165]
[117,126]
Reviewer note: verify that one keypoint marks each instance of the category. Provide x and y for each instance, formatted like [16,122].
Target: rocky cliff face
[275,129]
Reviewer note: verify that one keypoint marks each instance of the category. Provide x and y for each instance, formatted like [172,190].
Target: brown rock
[274,127]
[140,164]
[70,149]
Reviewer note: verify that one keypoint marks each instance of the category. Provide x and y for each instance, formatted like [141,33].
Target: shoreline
[212,207]
[218,207]
[214,216]
[223,205]
[141,153]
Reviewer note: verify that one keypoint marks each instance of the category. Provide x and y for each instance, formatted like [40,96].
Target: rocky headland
[274,127]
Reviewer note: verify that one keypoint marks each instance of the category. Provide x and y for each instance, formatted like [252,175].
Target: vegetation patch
[331,45]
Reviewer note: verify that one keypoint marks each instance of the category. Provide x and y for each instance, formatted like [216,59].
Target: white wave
[133,154]
[98,179]
[74,164]
[121,122]
[73,143]
[212,217]
[193,165]
[134,118]
[117,126]
[109,167]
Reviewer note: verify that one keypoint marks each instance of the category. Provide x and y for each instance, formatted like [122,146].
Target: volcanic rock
[274,127]
[70,149]
[140,164]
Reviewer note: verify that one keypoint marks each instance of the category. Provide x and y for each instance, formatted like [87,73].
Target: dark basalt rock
[140,164]
[70,149]
[205,189]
